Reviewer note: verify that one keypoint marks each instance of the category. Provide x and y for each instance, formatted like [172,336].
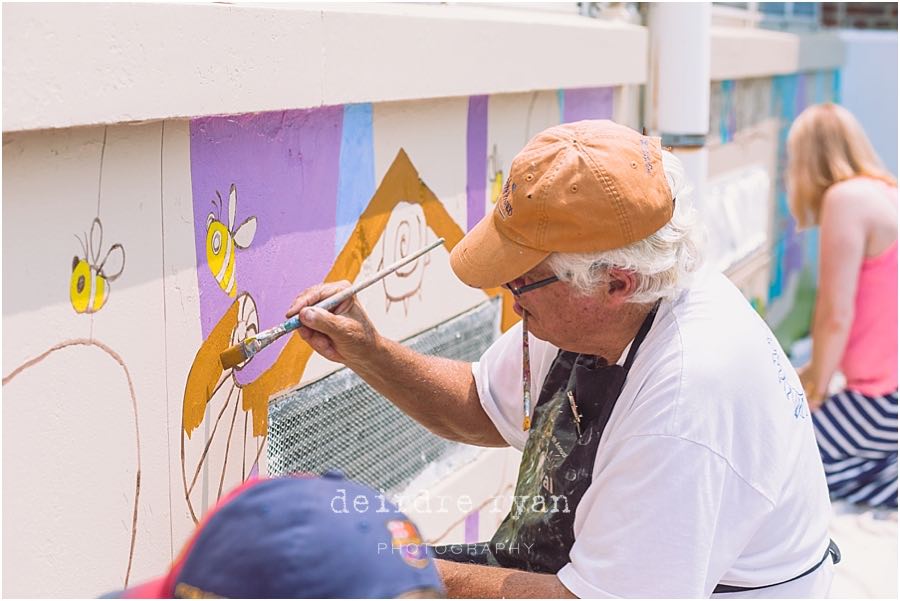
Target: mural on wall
[112,354]
[400,197]
[222,241]
[795,254]
[496,171]
[91,276]
[240,321]
[405,233]
[91,273]
[275,202]
[735,107]
[295,172]
[400,185]
[585,103]
[280,168]
[476,160]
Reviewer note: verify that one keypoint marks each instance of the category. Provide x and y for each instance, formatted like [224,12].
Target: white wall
[92,420]
[869,88]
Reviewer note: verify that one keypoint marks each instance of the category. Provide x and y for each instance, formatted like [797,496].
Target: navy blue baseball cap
[300,537]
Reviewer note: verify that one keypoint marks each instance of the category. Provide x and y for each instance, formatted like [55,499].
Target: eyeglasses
[517,292]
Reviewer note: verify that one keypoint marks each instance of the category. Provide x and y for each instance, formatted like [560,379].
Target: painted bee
[89,284]
[221,241]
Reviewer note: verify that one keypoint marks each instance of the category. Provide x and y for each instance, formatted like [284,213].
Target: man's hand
[345,335]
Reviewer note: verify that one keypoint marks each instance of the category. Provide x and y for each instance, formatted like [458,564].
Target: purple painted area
[587,103]
[472,527]
[285,168]
[476,160]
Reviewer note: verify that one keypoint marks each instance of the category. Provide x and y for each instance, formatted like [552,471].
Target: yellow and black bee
[89,284]
[221,241]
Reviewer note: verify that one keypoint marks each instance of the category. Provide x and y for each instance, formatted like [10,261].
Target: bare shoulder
[855,199]
[846,201]
[860,211]
[856,187]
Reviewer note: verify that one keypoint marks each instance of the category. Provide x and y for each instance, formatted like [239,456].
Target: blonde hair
[826,145]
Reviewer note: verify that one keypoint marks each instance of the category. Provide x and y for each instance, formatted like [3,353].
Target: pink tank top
[870,359]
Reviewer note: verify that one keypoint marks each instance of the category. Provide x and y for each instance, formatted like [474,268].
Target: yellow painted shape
[220,255]
[401,183]
[101,290]
[228,283]
[496,187]
[206,370]
[80,286]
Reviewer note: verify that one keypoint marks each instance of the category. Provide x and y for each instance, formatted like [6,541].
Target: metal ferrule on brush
[262,340]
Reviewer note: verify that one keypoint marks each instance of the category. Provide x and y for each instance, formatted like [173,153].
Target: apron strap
[831,551]
[642,333]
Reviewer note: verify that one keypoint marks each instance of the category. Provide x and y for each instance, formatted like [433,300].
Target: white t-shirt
[708,470]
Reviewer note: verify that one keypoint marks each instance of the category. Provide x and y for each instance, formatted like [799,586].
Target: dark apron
[557,467]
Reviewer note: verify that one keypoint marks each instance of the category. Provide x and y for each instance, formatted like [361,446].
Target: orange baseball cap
[587,186]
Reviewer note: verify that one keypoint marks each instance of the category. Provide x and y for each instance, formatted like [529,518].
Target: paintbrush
[242,351]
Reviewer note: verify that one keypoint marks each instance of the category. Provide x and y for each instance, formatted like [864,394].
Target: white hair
[663,261]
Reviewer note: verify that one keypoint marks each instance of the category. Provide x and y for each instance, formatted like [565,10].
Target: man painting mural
[669,450]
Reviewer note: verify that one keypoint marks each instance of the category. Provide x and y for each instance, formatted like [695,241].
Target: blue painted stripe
[836,87]
[726,109]
[819,96]
[356,182]
[561,101]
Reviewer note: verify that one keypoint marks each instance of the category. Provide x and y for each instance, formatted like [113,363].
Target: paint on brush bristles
[233,356]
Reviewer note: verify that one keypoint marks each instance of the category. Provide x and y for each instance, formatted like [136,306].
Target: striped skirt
[857,438]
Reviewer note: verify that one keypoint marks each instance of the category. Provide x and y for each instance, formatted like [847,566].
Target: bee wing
[96,240]
[232,206]
[116,260]
[243,236]
[83,244]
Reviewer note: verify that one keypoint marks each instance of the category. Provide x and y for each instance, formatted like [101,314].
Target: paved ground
[868,542]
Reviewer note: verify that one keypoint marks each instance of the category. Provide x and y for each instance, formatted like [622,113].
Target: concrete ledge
[67,65]
[739,53]
[820,50]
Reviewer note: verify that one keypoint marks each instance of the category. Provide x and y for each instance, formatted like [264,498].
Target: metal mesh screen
[339,422]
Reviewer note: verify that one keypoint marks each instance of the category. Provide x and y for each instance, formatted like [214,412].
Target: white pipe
[677,103]
[696,166]
[679,55]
